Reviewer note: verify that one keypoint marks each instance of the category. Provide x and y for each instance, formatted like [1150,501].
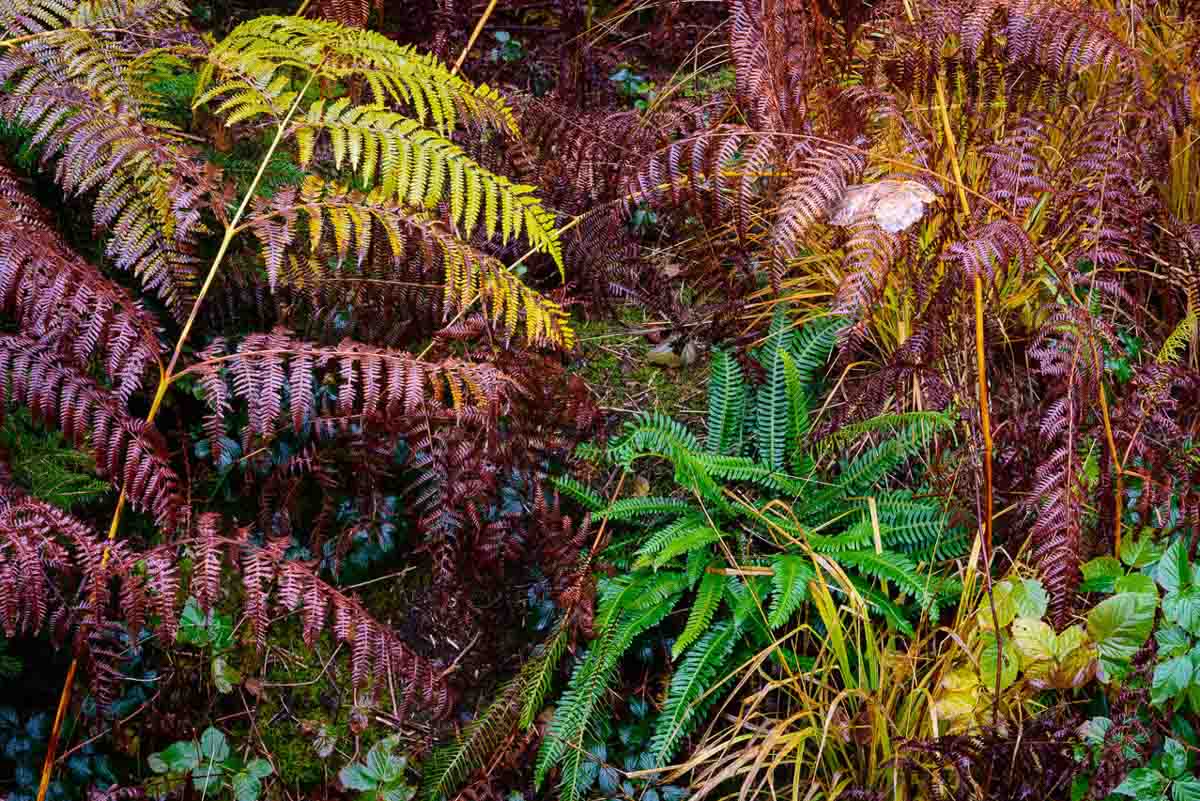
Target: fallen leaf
[896,205]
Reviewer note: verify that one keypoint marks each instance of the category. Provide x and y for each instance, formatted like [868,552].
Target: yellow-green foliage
[395,146]
[258,69]
[353,219]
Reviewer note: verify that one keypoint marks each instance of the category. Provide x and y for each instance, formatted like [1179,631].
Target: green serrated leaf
[1143,783]
[1171,680]
[1120,625]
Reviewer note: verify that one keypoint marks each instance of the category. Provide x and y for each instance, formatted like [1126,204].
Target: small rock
[664,355]
[668,354]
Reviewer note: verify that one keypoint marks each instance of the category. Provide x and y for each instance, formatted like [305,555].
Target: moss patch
[613,362]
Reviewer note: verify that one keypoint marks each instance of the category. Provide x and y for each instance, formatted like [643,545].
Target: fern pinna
[755,518]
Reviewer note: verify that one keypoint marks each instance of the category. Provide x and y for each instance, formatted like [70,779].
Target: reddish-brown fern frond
[723,168]
[48,554]
[44,552]
[1104,207]
[376,653]
[54,294]
[991,247]
[1018,173]
[129,452]
[373,382]
[78,93]
[1067,352]
[1061,38]
[353,13]
[820,184]
[771,43]
[870,254]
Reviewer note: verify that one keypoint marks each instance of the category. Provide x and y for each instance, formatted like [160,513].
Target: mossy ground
[613,361]
[303,697]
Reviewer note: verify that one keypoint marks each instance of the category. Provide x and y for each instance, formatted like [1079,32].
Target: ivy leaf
[1035,640]
[386,766]
[1143,783]
[1030,598]
[246,787]
[1005,605]
[1172,641]
[1140,552]
[987,664]
[1100,574]
[356,776]
[213,746]
[180,757]
[1136,582]
[1186,788]
[206,777]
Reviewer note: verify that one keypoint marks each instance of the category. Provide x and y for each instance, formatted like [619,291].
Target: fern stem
[981,377]
[487,12]
[164,381]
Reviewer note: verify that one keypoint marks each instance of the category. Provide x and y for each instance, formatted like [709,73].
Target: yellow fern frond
[1174,346]
[353,220]
[257,51]
[251,74]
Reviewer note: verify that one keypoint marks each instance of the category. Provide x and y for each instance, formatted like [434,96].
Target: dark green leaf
[1143,783]
[1175,758]
[1186,788]
[1121,624]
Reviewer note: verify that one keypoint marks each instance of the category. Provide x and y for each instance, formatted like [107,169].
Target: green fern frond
[917,529]
[578,492]
[915,427]
[694,687]
[704,608]
[517,702]
[811,347]
[538,675]
[692,522]
[798,403]
[581,702]
[263,54]
[692,540]
[253,73]
[1175,344]
[698,562]
[726,404]
[50,467]
[652,433]
[858,535]
[627,509]
[790,585]
[771,411]
[889,567]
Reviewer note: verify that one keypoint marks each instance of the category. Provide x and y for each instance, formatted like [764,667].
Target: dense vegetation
[570,400]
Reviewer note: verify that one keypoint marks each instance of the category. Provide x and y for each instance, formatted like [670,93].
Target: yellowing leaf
[1034,640]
